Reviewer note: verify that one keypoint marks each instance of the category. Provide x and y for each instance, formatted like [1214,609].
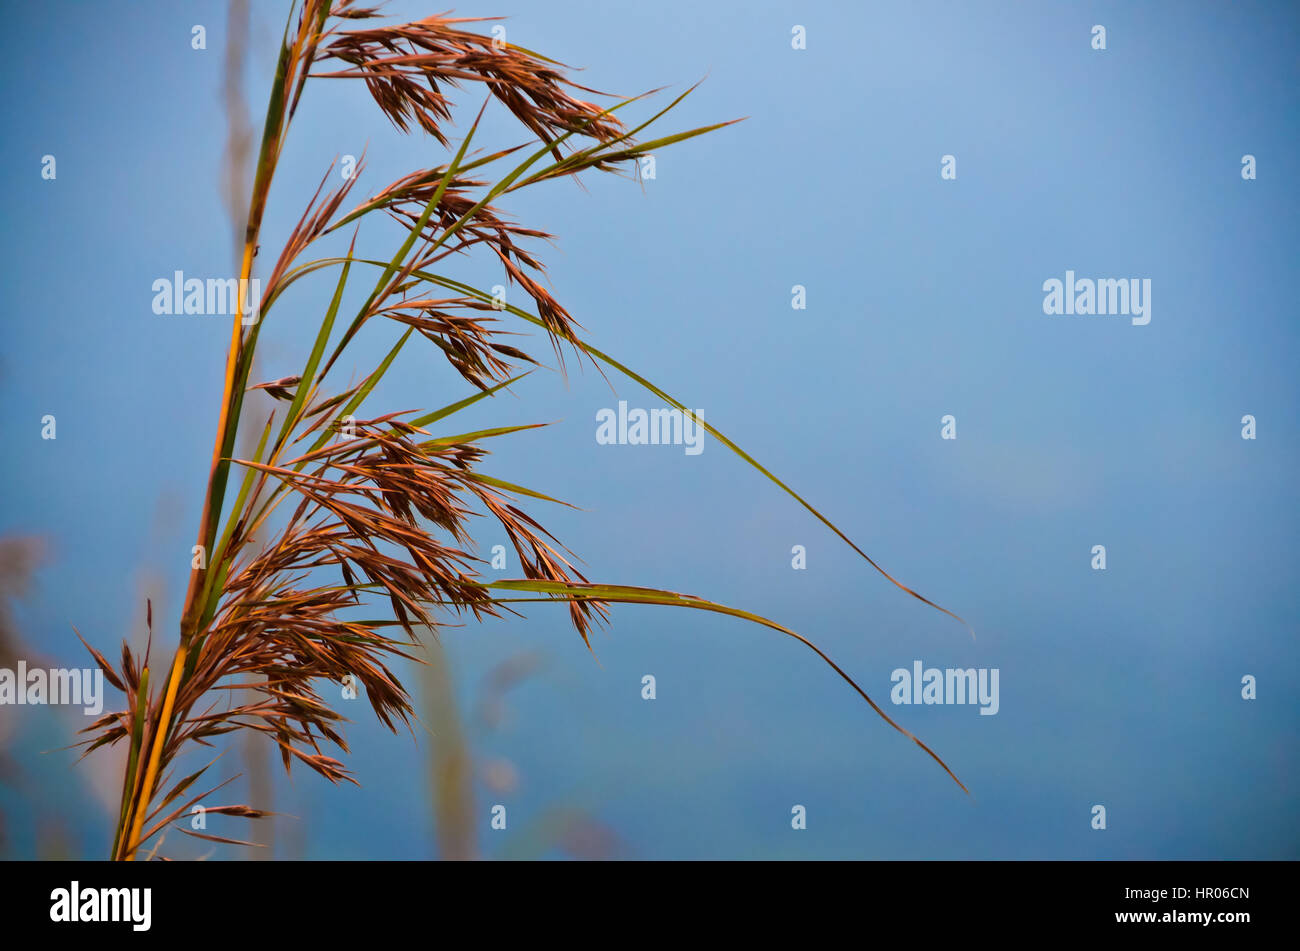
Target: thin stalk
[133,758]
[227,422]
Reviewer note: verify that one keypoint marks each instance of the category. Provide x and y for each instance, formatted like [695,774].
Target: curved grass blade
[712,431]
[560,593]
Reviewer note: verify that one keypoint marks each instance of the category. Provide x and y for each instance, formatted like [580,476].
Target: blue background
[1119,687]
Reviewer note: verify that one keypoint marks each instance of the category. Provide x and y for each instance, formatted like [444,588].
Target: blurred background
[924,298]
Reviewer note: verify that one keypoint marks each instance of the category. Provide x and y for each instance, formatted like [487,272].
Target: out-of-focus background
[1120,688]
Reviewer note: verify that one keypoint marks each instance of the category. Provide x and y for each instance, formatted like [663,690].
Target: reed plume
[332,513]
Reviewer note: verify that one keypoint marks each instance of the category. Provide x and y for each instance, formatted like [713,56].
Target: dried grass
[329,518]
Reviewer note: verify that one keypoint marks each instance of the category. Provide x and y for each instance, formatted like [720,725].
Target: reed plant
[332,514]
